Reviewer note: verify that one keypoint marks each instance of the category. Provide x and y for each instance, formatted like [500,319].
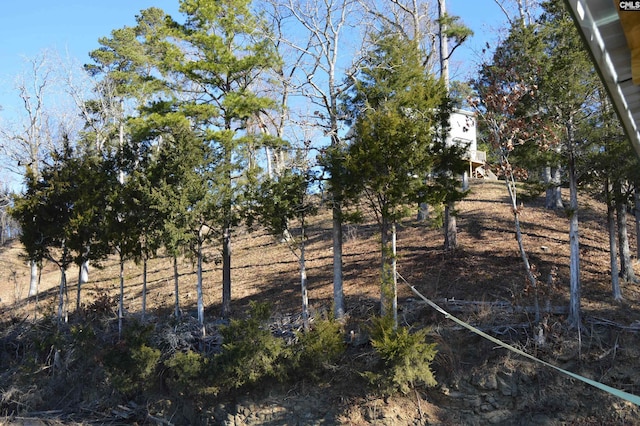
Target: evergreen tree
[451,156]
[394,105]
[125,67]
[61,212]
[89,241]
[223,54]
[279,203]
[204,72]
[448,165]
[179,179]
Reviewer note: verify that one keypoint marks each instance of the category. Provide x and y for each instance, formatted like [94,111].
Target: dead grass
[486,268]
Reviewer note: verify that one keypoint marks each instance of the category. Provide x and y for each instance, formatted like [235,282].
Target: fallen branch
[40,414]
[494,329]
[466,305]
[634,326]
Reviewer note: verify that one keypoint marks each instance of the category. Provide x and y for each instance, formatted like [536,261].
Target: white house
[463,131]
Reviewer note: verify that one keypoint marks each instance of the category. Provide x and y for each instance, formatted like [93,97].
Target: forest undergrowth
[259,368]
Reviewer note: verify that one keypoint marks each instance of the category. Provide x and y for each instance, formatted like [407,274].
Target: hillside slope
[478,382]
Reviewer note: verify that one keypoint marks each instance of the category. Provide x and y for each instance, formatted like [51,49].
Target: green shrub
[131,369]
[317,348]
[250,353]
[131,363]
[404,357]
[185,371]
[84,336]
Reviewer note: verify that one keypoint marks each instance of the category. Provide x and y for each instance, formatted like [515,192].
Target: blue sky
[486,20]
[29,26]
[72,28]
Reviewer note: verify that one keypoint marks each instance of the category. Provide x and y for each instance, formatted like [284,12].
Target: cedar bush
[404,358]
[185,372]
[318,348]
[250,353]
[131,364]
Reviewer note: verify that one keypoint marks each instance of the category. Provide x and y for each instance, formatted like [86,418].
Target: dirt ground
[482,283]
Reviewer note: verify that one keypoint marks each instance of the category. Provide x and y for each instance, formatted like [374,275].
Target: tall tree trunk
[450,233]
[199,289]
[79,288]
[636,199]
[267,154]
[389,281]
[394,272]
[384,268]
[613,258]
[546,180]
[450,226]
[511,189]
[444,44]
[83,277]
[227,212]
[557,188]
[303,279]
[84,273]
[176,287]
[35,305]
[84,266]
[338,293]
[423,212]
[62,295]
[626,267]
[549,193]
[144,285]
[121,302]
[552,178]
[226,271]
[33,282]
[574,242]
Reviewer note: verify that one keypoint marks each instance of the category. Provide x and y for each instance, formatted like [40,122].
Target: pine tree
[224,53]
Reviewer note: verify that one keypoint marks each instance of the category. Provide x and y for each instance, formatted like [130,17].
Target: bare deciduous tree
[519,10]
[324,34]
[413,19]
[29,136]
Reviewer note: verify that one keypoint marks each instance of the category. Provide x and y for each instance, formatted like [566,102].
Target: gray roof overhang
[598,22]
